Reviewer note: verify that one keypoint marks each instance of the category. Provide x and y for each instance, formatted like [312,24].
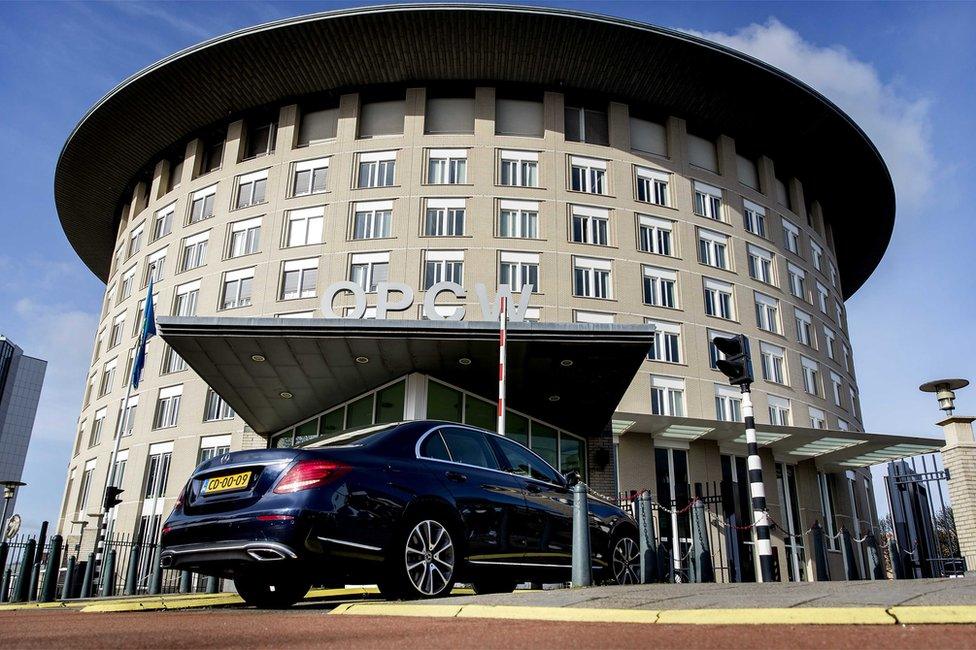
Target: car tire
[423,561]
[624,562]
[271,592]
[493,586]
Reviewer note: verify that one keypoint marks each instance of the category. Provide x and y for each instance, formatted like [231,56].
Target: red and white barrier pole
[502,326]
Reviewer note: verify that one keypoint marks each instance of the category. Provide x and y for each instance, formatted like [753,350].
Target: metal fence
[41,568]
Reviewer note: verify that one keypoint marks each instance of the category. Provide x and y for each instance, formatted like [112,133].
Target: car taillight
[307,474]
[181,497]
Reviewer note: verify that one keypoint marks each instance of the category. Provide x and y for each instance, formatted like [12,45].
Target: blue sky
[902,71]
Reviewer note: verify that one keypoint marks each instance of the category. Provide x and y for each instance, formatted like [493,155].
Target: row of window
[668,398]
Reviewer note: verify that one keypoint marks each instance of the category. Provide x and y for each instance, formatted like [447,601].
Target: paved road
[310,626]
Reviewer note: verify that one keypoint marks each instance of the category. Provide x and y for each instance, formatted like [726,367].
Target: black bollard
[108,575]
[185,581]
[22,587]
[50,584]
[69,578]
[132,571]
[86,582]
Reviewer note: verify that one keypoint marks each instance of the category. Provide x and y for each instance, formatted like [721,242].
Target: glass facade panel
[360,412]
[545,443]
[479,413]
[444,403]
[389,403]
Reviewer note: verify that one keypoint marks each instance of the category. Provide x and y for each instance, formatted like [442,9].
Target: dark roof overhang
[764,108]
[315,361]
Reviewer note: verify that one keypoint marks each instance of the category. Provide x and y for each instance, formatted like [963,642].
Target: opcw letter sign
[397,296]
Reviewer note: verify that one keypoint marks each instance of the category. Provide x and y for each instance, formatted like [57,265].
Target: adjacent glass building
[653,189]
[21,379]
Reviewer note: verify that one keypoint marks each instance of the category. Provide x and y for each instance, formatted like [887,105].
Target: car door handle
[456,477]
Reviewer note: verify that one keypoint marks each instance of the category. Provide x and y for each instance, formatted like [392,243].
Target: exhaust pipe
[264,554]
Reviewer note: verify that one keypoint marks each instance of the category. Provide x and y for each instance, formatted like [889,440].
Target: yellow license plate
[227,483]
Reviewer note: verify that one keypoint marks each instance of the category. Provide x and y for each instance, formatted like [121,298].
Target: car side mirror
[572,478]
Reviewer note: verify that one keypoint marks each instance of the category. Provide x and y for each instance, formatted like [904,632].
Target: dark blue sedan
[414,507]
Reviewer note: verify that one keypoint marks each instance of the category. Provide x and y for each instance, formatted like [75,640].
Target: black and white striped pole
[737,366]
[757,489]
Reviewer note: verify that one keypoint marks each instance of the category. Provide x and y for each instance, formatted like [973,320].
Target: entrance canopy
[275,372]
[833,449]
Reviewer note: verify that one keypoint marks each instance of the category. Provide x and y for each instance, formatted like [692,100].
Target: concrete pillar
[959,459]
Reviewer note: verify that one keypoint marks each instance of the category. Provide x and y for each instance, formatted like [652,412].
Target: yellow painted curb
[16,606]
[397,609]
[571,614]
[157,603]
[778,616]
[946,614]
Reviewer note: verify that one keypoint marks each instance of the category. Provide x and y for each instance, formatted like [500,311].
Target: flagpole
[502,330]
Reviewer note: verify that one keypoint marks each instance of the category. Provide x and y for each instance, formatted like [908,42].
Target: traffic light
[737,364]
[112,497]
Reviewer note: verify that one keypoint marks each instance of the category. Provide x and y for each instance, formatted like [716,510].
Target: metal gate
[922,540]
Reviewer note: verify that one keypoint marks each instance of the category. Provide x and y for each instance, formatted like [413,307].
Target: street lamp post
[9,490]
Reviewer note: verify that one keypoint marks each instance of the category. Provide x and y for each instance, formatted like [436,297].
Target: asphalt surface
[312,627]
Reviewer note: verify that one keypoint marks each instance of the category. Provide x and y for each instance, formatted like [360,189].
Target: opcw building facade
[653,191]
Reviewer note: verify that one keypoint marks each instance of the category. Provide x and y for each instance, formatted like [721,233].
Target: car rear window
[353,437]
[434,447]
[523,462]
[469,447]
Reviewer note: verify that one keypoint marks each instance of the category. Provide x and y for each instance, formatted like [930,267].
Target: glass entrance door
[671,467]
[796,561]
[737,504]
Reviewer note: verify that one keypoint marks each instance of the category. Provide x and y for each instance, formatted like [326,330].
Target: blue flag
[148,331]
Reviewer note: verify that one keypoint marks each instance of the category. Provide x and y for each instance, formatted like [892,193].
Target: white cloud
[898,125]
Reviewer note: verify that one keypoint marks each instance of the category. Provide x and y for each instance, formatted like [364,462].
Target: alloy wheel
[626,562]
[429,557]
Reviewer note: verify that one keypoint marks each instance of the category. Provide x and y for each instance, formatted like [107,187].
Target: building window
[659,286]
[654,235]
[310,177]
[518,117]
[591,278]
[816,252]
[804,328]
[728,404]
[588,175]
[298,278]
[818,419]
[117,331]
[318,126]
[848,361]
[773,361]
[791,235]
[172,362]
[135,241]
[369,269]
[708,201]
[447,166]
[449,114]
[519,168]
[202,204]
[167,407]
[194,252]
[582,316]
[797,279]
[252,188]
[718,299]
[129,416]
[98,425]
[518,219]
[648,136]
[127,284]
[84,490]
[444,218]
[518,270]
[213,153]
[108,378]
[667,396]
[163,222]
[377,169]
[835,386]
[586,125]
[186,299]
[259,139]
[767,313]
[372,220]
[811,376]
[215,408]
[779,411]
[155,264]
[829,338]
[713,249]
[305,226]
[832,272]
[443,266]
[760,264]
[822,297]
[379,118]
[652,186]
[827,505]
[212,447]
[237,289]
[666,345]
[754,218]
[855,403]
[590,225]
[245,237]
[839,314]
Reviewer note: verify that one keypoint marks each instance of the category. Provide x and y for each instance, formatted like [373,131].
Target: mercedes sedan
[414,507]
